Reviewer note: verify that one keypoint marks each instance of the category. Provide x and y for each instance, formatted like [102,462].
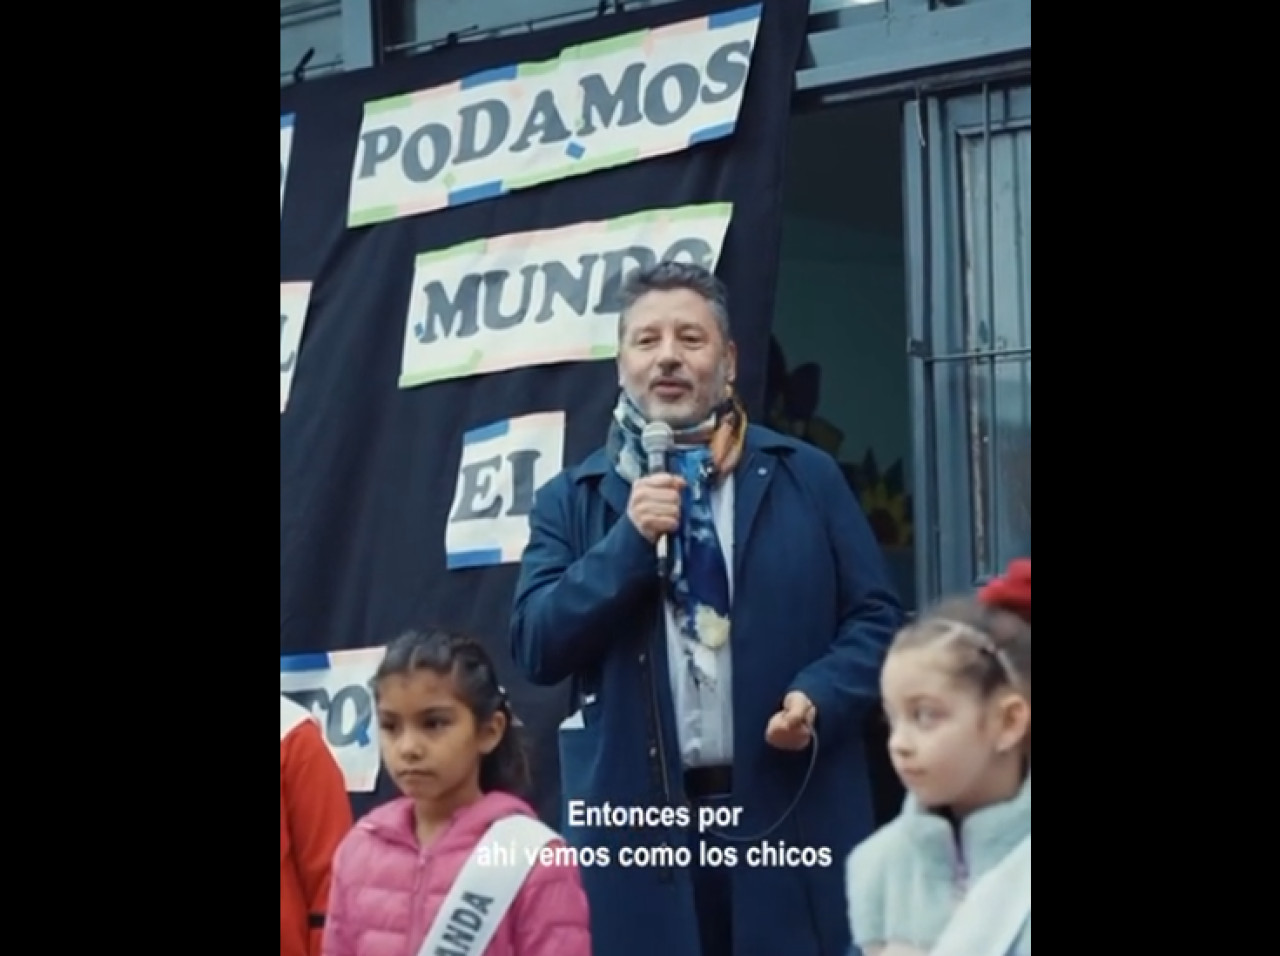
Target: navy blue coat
[813,610]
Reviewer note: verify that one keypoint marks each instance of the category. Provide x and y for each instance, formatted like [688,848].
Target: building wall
[851,41]
[306,25]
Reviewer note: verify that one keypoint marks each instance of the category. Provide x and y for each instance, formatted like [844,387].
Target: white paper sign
[597,106]
[337,688]
[286,147]
[538,298]
[503,464]
[295,297]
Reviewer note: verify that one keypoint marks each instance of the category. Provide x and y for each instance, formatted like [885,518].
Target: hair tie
[982,643]
[504,704]
[1010,591]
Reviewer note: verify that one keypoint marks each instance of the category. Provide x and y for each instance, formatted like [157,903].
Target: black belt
[708,781]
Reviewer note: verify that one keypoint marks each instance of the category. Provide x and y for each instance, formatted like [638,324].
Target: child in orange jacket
[315,815]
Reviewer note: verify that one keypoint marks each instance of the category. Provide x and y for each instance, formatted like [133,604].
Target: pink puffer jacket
[386,890]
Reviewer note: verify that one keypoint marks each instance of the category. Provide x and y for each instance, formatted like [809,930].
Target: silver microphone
[657,440]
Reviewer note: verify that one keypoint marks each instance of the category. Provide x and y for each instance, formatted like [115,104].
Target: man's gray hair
[669,275]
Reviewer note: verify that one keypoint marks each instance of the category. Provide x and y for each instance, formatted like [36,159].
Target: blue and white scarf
[699,581]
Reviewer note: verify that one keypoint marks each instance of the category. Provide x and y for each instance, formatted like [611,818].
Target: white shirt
[704,709]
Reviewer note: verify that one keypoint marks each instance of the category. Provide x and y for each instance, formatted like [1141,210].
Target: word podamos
[539,298]
[596,106]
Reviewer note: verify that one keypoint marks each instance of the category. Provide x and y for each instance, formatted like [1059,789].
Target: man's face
[672,359]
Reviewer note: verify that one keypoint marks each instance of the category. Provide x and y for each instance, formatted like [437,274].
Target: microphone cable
[795,802]
[757,837]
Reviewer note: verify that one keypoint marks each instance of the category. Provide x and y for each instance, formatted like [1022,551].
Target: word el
[503,464]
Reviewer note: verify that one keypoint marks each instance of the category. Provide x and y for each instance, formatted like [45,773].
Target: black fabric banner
[367,469]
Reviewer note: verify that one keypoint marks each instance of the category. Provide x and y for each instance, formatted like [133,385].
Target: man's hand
[654,507]
[791,727]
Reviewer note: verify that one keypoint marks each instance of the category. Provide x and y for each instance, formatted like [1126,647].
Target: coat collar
[759,439]
[985,836]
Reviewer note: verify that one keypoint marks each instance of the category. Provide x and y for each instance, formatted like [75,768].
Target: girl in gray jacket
[951,876]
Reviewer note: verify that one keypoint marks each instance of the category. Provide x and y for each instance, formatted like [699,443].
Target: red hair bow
[1012,590]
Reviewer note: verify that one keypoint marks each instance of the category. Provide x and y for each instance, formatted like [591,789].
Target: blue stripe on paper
[730,18]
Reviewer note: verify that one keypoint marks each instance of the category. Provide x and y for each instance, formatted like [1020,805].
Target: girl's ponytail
[506,768]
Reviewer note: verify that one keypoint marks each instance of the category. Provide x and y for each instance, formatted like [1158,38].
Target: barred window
[996,190]
[969,189]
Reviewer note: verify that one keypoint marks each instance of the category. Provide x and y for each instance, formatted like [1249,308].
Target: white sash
[988,921]
[487,886]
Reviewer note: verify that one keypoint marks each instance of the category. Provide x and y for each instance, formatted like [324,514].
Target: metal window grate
[971,194]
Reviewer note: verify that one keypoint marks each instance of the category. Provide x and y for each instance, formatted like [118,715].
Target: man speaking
[715,594]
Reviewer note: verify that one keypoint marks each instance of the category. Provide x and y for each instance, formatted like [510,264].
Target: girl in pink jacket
[458,866]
